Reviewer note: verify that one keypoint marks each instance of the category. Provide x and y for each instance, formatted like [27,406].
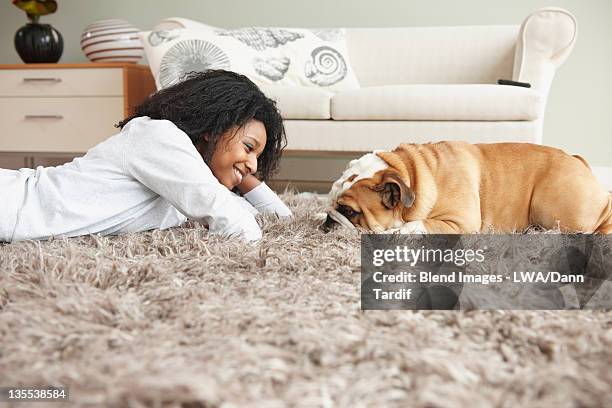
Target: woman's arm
[162,157]
[262,197]
[249,182]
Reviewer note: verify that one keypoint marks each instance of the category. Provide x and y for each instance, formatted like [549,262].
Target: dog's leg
[431,227]
[447,227]
[574,204]
[412,227]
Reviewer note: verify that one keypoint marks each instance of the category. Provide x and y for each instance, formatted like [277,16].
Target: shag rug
[178,318]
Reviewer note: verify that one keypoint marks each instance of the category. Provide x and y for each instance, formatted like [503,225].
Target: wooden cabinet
[17,160]
[51,113]
[14,161]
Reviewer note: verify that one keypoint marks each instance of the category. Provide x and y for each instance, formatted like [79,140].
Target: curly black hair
[213,102]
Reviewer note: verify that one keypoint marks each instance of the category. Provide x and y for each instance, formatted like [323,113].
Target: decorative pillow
[280,56]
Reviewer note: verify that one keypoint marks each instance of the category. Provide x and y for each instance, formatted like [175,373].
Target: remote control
[514,83]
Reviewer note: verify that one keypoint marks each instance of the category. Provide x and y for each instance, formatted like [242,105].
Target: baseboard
[279,186]
[604,176]
[602,173]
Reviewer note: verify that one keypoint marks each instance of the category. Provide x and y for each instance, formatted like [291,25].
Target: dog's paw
[320,216]
[413,227]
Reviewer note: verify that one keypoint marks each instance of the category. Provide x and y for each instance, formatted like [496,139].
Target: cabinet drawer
[61,82]
[57,124]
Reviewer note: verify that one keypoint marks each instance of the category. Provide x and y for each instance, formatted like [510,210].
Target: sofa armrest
[546,38]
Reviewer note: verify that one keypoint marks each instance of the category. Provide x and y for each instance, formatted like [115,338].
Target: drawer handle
[43,117]
[42,80]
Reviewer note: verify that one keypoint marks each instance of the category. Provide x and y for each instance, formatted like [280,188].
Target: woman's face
[236,153]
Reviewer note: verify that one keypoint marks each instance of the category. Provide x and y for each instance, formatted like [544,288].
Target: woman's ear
[202,144]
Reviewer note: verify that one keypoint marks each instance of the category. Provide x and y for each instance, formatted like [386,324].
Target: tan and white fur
[457,187]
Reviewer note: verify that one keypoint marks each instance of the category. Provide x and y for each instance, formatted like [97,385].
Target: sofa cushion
[288,56]
[480,102]
[298,102]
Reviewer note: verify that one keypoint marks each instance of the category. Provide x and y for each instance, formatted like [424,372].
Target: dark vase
[39,43]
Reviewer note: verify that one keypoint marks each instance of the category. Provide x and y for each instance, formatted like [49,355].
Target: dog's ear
[393,190]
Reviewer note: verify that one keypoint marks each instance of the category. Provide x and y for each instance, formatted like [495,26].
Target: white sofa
[422,84]
[425,84]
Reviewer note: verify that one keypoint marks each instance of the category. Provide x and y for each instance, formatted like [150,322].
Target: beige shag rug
[176,318]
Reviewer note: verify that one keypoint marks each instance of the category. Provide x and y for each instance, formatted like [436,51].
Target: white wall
[578,117]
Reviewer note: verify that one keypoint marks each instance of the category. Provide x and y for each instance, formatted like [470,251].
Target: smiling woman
[178,157]
[236,157]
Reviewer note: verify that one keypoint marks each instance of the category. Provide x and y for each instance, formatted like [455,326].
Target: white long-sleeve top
[149,175]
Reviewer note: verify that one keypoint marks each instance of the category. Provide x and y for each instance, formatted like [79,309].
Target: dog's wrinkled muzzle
[334,218]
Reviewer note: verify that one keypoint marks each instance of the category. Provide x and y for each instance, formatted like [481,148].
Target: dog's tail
[605,223]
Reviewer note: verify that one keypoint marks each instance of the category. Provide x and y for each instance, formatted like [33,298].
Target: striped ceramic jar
[111,40]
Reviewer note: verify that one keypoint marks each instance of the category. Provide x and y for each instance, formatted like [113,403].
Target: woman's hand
[248,183]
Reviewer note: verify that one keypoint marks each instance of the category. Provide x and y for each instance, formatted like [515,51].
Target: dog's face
[370,194]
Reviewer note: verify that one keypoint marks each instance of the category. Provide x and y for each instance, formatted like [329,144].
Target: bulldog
[457,187]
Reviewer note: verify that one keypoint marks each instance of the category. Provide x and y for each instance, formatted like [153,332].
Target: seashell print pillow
[280,56]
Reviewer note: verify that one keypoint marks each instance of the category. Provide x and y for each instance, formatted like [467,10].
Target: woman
[179,156]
